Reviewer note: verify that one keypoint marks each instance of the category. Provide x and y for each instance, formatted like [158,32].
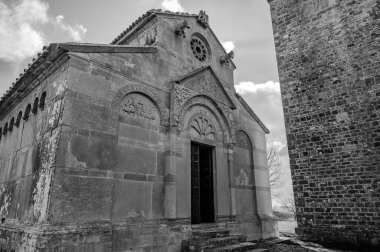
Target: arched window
[11,124]
[18,120]
[42,101]
[27,112]
[5,129]
[35,106]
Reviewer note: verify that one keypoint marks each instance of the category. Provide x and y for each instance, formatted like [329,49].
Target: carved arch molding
[183,99]
[141,102]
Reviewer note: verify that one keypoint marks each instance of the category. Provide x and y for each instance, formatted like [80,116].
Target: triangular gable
[151,14]
[204,80]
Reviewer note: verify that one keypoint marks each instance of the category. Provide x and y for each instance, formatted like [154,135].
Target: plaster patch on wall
[6,200]
[242,179]
[41,191]
[53,113]
[60,86]
[342,117]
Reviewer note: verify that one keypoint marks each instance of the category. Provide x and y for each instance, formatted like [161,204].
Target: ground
[289,242]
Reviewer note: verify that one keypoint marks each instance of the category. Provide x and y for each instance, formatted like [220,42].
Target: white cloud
[228,45]
[250,87]
[21,34]
[18,37]
[277,145]
[75,33]
[172,5]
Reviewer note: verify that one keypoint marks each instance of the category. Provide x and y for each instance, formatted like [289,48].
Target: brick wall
[329,65]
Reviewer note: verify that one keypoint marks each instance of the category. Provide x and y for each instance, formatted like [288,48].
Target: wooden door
[195,185]
[202,186]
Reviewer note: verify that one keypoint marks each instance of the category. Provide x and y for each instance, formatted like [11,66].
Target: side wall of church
[328,59]
[250,176]
[29,138]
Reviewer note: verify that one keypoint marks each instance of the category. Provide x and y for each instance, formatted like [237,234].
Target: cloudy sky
[243,25]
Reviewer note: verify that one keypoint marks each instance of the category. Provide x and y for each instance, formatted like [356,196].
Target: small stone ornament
[226,58]
[203,19]
[180,31]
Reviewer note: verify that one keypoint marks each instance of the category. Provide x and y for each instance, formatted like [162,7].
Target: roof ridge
[147,14]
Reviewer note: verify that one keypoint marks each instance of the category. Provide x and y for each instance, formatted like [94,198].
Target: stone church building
[139,144]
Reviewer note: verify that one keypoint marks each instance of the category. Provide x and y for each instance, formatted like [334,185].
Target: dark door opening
[202,186]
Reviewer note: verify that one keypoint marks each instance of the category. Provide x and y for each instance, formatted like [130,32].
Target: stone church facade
[131,145]
[328,55]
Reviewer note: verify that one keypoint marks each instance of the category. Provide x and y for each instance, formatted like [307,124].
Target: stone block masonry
[328,54]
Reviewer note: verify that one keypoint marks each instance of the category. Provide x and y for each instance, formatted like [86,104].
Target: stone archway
[204,107]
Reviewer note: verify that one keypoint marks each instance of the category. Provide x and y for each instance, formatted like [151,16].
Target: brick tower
[328,54]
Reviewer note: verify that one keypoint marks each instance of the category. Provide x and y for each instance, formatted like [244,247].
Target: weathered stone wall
[29,140]
[329,65]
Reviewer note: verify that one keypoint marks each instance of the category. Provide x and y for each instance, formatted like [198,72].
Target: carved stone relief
[139,106]
[203,19]
[202,123]
[206,84]
[181,95]
[202,128]
[180,30]
[225,59]
[123,104]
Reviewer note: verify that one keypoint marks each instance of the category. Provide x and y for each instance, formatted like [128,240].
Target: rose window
[199,48]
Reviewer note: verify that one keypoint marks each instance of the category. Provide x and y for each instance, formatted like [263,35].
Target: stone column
[230,150]
[170,203]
